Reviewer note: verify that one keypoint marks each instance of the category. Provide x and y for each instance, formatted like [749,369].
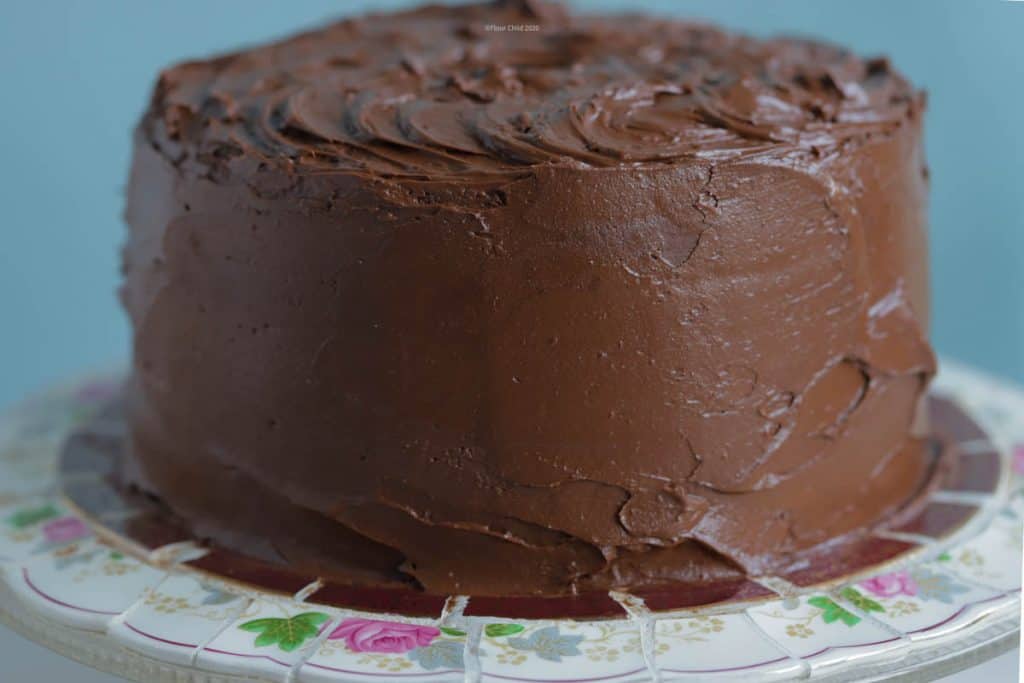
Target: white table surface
[22,661]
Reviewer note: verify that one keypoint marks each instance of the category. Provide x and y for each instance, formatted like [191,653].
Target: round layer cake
[496,300]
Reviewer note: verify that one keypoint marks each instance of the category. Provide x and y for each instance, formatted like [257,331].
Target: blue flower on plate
[215,596]
[934,586]
[446,654]
[549,644]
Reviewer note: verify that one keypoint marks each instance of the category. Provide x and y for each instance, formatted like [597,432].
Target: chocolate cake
[495,300]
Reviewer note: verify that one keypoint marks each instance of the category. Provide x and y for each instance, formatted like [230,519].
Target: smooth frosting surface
[612,303]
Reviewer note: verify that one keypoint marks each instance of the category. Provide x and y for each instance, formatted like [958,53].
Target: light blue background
[75,75]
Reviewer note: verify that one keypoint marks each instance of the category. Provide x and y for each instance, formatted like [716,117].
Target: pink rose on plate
[370,635]
[1018,458]
[889,585]
[65,530]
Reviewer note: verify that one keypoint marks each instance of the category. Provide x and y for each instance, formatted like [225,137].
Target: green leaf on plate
[288,634]
[832,612]
[499,630]
[28,516]
[453,632]
[861,601]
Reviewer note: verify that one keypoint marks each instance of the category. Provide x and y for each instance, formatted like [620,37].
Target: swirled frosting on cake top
[498,87]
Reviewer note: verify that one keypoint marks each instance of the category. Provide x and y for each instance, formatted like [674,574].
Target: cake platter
[101,579]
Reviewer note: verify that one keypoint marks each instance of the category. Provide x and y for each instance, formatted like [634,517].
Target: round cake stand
[79,587]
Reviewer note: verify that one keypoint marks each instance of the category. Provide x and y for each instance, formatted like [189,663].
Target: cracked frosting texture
[611,303]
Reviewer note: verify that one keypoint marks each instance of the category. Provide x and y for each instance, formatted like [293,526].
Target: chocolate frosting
[586,302]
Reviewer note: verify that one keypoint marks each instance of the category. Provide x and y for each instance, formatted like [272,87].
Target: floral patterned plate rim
[936,610]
